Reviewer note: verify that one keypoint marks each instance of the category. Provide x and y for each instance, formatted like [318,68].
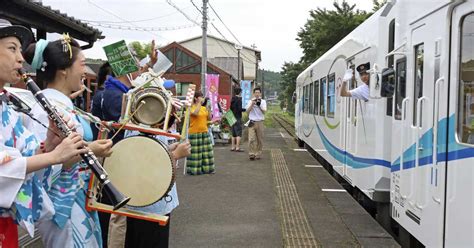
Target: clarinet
[115,196]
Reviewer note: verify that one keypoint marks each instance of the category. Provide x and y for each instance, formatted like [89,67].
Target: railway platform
[286,199]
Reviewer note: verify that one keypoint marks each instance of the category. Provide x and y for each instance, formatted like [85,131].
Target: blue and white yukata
[72,225]
[23,197]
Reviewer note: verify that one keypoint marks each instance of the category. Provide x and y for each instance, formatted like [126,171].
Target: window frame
[415,96]
[322,96]
[316,97]
[331,99]
[397,84]
[458,132]
[310,101]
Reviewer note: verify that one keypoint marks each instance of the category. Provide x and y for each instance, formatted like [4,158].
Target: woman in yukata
[60,66]
[23,199]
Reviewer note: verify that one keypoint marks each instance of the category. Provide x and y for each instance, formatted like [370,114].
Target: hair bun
[29,53]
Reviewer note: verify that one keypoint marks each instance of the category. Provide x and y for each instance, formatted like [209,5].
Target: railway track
[285,124]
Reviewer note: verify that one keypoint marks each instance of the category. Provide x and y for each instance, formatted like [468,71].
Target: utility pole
[204,47]
[263,84]
[238,47]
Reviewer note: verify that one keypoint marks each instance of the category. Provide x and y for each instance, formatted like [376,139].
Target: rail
[285,124]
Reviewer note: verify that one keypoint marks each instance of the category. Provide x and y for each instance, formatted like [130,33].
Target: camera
[204,103]
[258,102]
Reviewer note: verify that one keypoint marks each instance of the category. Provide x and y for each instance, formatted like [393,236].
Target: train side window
[400,86]
[418,92]
[316,97]
[305,102]
[322,97]
[331,98]
[391,46]
[307,99]
[465,108]
[310,102]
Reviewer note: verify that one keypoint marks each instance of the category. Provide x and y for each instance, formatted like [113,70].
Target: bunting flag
[246,87]
[177,104]
[185,130]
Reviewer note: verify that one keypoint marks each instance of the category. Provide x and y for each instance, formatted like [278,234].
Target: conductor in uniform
[362,91]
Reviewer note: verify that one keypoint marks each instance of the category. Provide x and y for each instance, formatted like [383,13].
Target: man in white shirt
[361,92]
[256,109]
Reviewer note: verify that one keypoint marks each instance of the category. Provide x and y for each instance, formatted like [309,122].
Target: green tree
[289,73]
[142,49]
[327,27]
[378,5]
[322,31]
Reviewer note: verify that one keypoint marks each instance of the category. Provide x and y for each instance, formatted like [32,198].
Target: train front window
[465,110]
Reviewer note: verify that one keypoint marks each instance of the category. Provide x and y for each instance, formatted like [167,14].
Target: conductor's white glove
[347,75]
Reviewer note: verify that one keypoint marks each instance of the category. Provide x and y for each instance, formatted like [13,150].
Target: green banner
[230,118]
[120,58]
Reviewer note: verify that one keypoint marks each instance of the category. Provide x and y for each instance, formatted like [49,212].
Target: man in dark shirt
[98,100]
[236,107]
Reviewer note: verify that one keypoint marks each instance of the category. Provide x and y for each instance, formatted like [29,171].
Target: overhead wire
[182,12]
[123,27]
[117,16]
[220,19]
[134,21]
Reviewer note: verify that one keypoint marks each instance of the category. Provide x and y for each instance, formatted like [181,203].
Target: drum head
[152,111]
[141,168]
[149,106]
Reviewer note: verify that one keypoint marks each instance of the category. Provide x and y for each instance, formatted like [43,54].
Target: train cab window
[418,92]
[465,109]
[316,97]
[322,96]
[310,101]
[400,87]
[331,99]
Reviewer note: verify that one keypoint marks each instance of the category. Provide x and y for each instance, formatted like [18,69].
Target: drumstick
[142,102]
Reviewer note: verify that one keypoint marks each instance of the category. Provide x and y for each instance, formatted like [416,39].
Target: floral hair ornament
[67,44]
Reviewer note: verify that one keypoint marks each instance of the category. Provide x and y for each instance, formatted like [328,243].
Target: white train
[410,147]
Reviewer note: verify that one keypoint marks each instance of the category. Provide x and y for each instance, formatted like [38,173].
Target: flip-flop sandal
[232,150]
[239,150]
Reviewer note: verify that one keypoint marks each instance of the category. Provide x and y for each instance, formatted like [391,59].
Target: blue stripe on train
[347,158]
[455,151]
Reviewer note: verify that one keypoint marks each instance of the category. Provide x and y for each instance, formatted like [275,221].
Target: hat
[23,34]
[363,68]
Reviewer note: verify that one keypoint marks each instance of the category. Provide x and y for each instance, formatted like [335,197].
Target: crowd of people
[43,180]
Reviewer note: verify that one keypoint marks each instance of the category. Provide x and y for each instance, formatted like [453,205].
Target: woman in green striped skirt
[201,160]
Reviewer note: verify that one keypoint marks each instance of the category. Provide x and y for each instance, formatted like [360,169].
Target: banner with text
[246,87]
[224,101]
[212,89]
[120,58]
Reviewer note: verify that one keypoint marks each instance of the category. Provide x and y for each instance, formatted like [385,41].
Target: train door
[349,127]
[459,229]
[299,110]
[418,188]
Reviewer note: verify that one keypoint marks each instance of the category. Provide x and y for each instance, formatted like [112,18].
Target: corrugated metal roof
[228,64]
